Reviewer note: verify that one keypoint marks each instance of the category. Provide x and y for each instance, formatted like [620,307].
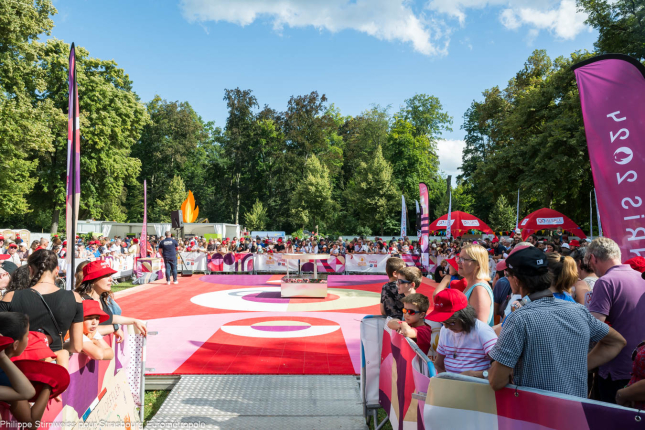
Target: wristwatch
[485,374]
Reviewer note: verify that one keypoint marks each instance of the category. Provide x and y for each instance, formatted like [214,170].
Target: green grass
[381,416]
[153,401]
[123,286]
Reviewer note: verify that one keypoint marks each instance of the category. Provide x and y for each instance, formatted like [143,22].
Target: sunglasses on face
[402,281]
[411,311]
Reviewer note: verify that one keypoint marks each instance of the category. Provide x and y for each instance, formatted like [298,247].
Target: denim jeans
[171,267]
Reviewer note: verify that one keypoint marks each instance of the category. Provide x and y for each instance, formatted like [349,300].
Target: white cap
[565,245]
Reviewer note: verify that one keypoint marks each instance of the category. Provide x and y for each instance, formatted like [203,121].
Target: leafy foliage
[256,219]
[171,201]
[502,217]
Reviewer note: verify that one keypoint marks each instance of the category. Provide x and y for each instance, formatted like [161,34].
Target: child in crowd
[28,407]
[415,307]
[93,344]
[14,385]
[464,341]
[391,305]
[408,280]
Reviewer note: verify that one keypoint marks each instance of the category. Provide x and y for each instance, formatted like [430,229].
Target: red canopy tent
[460,223]
[548,219]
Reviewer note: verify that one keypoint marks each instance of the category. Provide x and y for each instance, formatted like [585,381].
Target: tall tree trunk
[55,218]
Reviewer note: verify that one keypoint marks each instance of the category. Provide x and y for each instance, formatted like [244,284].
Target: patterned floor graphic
[239,324]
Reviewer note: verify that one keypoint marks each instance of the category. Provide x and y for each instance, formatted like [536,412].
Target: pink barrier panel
[89,380]
[334,264]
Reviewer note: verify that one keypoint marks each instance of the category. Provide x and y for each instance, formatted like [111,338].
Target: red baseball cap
[574,243]
[5,342]
[446,303]
[97,269]
[637,263]
[453,262]
[42,372]
[501,265]
[37,348]
[13,245]
[495,239]
[92,307]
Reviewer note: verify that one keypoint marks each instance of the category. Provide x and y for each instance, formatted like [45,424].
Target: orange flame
[189,210]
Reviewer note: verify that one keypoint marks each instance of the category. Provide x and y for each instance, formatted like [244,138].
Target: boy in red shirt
[415,307]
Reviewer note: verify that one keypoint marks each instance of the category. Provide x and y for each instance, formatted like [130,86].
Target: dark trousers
[608,387]
[171,267]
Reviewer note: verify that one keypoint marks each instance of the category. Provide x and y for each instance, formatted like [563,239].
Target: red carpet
[239,324]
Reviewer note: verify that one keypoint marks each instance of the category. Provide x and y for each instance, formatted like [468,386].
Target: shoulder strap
[51,314]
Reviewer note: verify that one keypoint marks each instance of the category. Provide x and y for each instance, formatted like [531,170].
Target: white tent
[111,229]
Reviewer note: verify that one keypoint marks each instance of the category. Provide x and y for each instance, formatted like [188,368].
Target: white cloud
[450,154]
[391,20]
[560,17]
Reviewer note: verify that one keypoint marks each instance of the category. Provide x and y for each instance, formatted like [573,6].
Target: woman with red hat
[50,309]
[97,285]
[93,344]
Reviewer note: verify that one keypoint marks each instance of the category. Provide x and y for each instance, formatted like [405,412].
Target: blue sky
[357,52]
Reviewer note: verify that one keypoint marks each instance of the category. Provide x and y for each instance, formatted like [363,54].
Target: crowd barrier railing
[415,399]
[99,390]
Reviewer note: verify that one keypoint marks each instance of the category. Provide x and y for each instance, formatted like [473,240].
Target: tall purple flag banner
[425,226]
[612,94]
[73,170]
[143,247]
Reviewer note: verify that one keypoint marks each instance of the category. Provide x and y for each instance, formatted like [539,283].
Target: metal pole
[590,216]
[598,213]
[72,234]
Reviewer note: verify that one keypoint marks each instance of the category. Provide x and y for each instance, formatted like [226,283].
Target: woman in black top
[97,285]
[66,306]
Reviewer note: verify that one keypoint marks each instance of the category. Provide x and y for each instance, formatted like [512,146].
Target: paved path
[263,402]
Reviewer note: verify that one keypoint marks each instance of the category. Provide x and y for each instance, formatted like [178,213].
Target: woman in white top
[584,287]
[464,340]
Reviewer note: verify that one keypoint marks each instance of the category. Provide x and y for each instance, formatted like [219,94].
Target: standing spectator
[501,289]
[618,298]
[633,395]
[391,304]
[544,344]
[168,248]
[440,271]
[583,291]
[13,254]
[66,307]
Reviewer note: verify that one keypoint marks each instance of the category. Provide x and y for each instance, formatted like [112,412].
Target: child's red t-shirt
[424,337]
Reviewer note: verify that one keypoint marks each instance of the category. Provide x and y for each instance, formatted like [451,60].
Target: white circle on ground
[234,300]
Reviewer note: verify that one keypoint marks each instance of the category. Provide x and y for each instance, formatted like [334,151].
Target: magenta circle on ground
[266,297]
[279,327]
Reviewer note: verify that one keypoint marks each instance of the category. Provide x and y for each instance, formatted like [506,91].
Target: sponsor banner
[334,264]
[124,265]
[444,223]
[470,222]
[424,243]
[612,88]
[274,263]
[550,221]
[366,263]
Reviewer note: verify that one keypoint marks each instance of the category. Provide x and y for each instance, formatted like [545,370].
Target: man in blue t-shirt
[168,249]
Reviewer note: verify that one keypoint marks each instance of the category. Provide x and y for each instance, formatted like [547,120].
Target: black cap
[9,267]
[529,259]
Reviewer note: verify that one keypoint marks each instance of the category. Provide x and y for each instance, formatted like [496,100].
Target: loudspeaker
[186,273]
[177,218]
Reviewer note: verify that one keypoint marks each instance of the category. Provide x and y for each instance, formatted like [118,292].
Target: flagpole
[598,213]
[590,216]
[71,270]
[517,213]
[448,226]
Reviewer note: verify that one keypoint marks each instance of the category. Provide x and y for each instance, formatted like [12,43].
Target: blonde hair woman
[473,266]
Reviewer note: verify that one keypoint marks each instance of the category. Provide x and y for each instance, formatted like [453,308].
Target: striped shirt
[467,351]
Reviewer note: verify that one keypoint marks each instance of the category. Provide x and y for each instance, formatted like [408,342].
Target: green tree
[462,200]
[426,114]
[256,219]
[168,141]
[502,217]
[620,25]
[312,203]
[171,201]
[372,193]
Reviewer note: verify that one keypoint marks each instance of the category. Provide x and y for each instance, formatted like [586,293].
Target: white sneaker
[167,282]
[176,282]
